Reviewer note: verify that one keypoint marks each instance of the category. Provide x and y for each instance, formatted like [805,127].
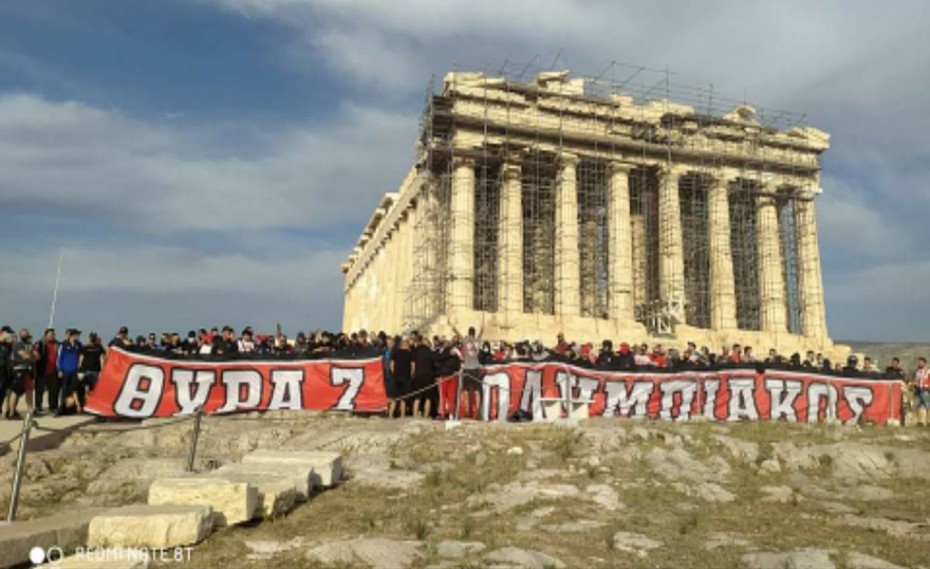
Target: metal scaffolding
[582,128]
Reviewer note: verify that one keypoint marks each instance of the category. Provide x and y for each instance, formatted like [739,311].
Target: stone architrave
[773,313]
[723,287]
[567,261]
[510,261]
[671,250]
[462,238]
[620,250]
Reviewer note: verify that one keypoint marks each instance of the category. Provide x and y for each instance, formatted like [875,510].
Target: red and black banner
[139,385]
[723,395]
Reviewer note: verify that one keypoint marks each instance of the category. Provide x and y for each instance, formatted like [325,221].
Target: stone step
[276,494]
[327,465]
[232,502]
[166,525]
[90,561]
[67,531]
[300,474]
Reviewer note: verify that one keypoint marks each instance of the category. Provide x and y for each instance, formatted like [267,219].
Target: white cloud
[857,70]
[63,157]
[170,287]
[850,223]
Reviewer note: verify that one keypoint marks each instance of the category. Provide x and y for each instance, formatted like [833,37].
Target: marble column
[462,236]
[773,311]
[567,270]
[620,250]
[431,283]
[722,286]
[813,312]
[510,249]
[671,251]
[404,309]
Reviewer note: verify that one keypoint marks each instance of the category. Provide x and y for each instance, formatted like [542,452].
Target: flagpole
[51,314]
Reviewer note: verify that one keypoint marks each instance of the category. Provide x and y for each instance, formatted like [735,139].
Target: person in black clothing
[485,356]
[301,345]
[424,378]
[607,359]
[93,357]
[625,359]
[402,371]
[852,366]
[22,383]
[225,344]
[6,361]
[122,339]
[895,371]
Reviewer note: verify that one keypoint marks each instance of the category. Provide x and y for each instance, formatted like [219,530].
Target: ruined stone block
[166,525]
[326,465]
[232,502]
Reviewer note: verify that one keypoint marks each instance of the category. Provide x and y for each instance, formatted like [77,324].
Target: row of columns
[773,312]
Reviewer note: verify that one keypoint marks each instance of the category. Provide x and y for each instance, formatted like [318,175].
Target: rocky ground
[609,493]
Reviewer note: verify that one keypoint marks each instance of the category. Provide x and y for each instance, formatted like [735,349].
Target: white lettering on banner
[243,389]
[686,388]
[815,393]
[141,391]
[500,382]
[782,395]
[711,388]
[287,389]
[567,383]
[353,377]
[191,388]
[532,394]
[742,400]
[858,398]
[586,387]
[620,401]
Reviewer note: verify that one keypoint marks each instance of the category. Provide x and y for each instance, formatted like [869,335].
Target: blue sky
[212,161]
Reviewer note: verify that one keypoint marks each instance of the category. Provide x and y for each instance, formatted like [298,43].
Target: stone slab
[300,474]
[373,553]
[67,531]
[166,525]
[43,440]
[327,465]
[276,494]
[233,502]
[88,561]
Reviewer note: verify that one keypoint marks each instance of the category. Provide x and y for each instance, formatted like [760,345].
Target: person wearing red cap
[625,357]
[206,344]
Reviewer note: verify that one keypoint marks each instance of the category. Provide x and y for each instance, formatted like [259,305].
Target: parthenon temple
[621,208]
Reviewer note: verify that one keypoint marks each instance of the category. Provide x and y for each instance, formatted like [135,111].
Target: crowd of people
[54,376]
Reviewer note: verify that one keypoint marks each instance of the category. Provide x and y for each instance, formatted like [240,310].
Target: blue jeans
[922,398]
